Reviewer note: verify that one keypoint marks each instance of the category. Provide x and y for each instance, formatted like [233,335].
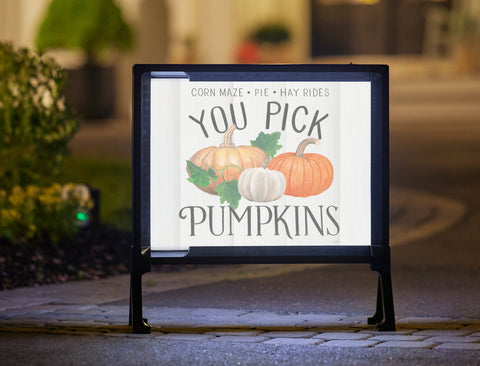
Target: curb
[238,326]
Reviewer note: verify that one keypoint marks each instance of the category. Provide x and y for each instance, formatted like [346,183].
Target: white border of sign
[172,133]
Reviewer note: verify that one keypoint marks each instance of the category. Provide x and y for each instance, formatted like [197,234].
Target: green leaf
[228,192]
[268,143]
[200,176]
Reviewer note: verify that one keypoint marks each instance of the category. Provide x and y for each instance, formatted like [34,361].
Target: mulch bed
[86,256]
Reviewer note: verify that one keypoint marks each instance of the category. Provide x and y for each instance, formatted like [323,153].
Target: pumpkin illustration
[228,160]
[306,174]
[261,184]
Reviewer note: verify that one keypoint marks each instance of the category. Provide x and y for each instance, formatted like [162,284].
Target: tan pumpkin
[228,160]
[306,174]
[261,184]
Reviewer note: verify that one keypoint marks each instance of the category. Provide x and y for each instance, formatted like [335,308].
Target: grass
[113,177]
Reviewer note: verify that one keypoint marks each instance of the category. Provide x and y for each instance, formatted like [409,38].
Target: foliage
[40,214]
[93,26]
[228,192]
[268,143]
[113,177]
[465,21]
[35,123]
[200,177]
[272,33]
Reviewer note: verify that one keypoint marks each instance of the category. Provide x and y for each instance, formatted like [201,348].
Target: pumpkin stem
[228,166]
[227,137]
[301,147]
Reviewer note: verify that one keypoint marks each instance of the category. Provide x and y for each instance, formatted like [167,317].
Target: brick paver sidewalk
[221,325]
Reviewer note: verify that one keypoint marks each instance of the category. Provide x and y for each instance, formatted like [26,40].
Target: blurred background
[416,37]
[431,46]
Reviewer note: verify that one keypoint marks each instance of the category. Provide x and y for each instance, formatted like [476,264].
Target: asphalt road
[141,351]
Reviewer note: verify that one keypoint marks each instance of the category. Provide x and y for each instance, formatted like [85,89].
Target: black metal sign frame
[377,254]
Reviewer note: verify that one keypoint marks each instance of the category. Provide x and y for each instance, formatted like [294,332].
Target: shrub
[94,26]
[35,122]
[274,33]
[35,127]
[42,215]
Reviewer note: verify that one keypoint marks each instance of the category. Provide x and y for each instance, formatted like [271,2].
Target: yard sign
[261,163]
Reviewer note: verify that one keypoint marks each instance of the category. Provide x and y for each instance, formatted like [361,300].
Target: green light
[82,216]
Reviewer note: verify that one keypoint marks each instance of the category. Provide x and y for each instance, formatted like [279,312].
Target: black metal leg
[130,315]
[387,299]
[378,316]
[136,320]
[384,316]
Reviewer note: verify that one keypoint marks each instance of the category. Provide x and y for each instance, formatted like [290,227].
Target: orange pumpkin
[228,160]
[306,174]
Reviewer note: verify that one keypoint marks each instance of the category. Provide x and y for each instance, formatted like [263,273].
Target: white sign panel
[259,163]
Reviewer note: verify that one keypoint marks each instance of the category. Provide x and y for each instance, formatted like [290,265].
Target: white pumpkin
[261,184]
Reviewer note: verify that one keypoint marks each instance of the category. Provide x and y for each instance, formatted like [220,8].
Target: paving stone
[73,310]
[179,325]
[91,323]
[279,334]
[407,344]
[322,320]
[16,312]
[295,341]
[36,308]
[234,332]
[120,335]
[29,321]
[472,346]
[37,325]
[283,328]
[189,330]
[342,336]
[59,331]
[84,333]
[354,321]
[140,335]
[428,326]
[442,332]
[82,328]
[115,323]
[24,329]
[388,332]
[117,328]
[472,328]
[395,337]
[261,319]
[453,339]
[337,329]
[241,339]
[348,343]
[468,322]
[186,337]
[69,318]
[428,323]
[114,309]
